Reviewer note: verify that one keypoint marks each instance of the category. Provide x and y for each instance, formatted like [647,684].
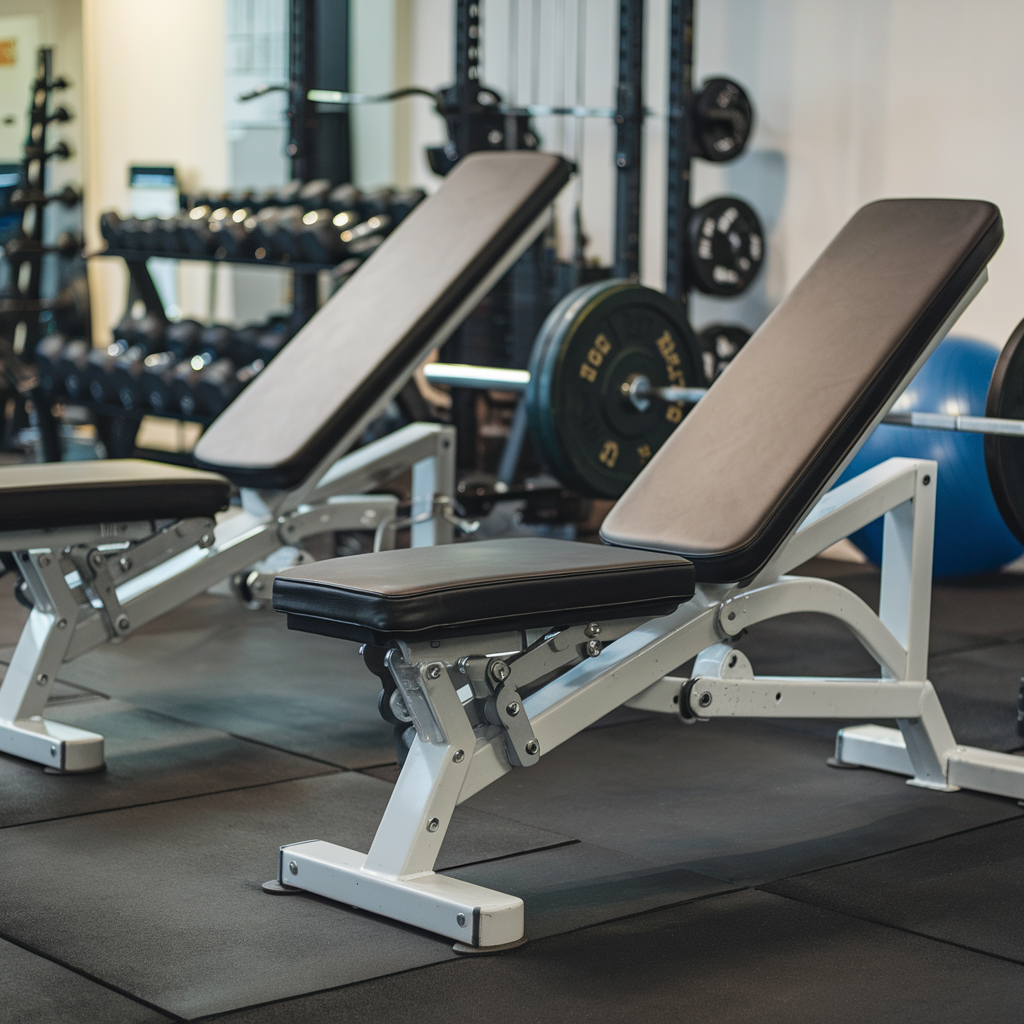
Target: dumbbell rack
[26,300]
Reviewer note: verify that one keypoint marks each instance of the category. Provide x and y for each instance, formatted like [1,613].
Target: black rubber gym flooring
[717,872]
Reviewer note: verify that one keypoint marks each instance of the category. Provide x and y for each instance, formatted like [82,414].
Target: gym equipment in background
[971,536]
[596,340]
[306,226]
[636,398]
[593,346]
[718,248]
[501,651]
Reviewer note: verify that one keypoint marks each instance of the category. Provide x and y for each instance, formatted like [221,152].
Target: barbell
[616,367]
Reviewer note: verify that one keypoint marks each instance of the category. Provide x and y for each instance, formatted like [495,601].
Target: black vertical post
[318,44]
[467,72]
[680,94]
[34,181]
[629,117]
[301,65]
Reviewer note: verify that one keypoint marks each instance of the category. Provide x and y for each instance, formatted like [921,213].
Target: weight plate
[726,246]
[723,120]
[587,431]
[719,344]
[1004,456]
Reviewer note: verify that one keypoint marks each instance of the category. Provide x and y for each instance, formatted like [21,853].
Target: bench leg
[34,666]
[396,878]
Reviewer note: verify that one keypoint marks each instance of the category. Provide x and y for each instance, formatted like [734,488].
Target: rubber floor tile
[218,664]
[13,615]
[35,990]
[150,757]
[979,690]
[581,884]
[733,959]
[163,901]
[964,612]
[967,889]
[733,799]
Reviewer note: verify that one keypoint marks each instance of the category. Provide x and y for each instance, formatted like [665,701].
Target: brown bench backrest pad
[373,328]
[748,462]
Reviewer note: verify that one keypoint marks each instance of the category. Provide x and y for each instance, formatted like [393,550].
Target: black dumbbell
[112,230]
[182,339]
[97,376]
[229,232]
[288,193]
[313,194]
[155,381]
[74,359]
[212,391]
[199,239]
[261,230]
[320,239]
[376,203]
[215,342]
[48,353]
[344,197]
[146,332]
[126,379]
[284,231]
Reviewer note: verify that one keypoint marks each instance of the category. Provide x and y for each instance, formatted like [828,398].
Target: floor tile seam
[297,999]
[510,856]
[892,927]
[896,849]
[375,767]
[82,973]
[588,842]
[169,800]
[470,957]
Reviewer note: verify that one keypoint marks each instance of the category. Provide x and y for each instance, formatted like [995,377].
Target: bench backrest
[331,376]
[745,466]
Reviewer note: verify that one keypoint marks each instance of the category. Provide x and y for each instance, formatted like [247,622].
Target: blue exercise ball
[970,535]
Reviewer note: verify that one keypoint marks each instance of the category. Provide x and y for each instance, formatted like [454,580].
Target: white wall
[856,100]
[154,94]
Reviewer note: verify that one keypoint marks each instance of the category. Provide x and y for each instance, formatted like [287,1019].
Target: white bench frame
[451,759]
[459,750]
[90,584]
[97,583]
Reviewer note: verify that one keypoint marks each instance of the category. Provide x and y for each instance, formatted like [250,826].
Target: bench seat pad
[478,587]
[55,494]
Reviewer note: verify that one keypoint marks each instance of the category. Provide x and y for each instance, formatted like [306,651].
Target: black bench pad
[55,494]
[478,587]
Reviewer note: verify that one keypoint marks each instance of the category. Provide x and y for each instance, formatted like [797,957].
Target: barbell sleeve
[459,375]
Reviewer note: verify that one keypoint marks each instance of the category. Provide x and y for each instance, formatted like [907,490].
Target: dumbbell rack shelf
[140,256]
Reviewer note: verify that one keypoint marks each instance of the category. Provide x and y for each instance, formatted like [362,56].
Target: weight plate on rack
[726,246]
[1004,456]
[719,344]
[723,119]
[597,339]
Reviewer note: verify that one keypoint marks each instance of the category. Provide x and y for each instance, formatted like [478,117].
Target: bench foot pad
[470,914]
[62,747]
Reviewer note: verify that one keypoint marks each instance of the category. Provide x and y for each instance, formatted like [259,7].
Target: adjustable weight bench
[105,547]
[498,651]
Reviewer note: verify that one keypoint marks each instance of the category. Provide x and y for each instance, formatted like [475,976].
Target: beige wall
[154,88]
[856,100]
